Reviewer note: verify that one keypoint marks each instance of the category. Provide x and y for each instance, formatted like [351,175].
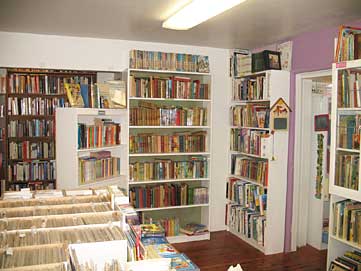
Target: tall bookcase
[257,182]
[158,163]
[28,122]
[69,154]
[344,229]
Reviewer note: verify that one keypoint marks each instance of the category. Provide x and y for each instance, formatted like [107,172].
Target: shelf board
[171,207]
[55,95]
[249,101]
[170,99]
[247,180]
[349,243]
[169,127]
[167,181]
[100,148]
[167,72]
[30,117]
[250,128]
[249,154]
[249,241]
[251,74]
[32,138]
[32,181]
[186,238]
[348,150]
[30,160]
[168,154]
[52,72]
[105,180]
[349,109]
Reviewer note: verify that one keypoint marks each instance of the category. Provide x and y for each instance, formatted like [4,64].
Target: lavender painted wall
[311,52]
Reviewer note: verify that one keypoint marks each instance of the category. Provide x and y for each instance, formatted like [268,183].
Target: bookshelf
[345,193]
[71,159]
[28,101]
[183,100]
[257,180]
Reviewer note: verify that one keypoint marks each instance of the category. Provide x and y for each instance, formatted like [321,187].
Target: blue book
[181,262]
[147,241]
[84,91]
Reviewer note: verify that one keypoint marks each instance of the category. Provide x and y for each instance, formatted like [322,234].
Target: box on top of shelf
[266,60]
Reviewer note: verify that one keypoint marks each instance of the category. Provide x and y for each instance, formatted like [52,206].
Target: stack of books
[247,141]
[348,131]
[32,171]
[30,106]
[348,44]
[250,115]
[347,170]
[194,229]
[31,128]
[250,88]
[253,169]
[351,260]
[31,150]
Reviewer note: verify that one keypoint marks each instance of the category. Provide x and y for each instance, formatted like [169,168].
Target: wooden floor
[224,249]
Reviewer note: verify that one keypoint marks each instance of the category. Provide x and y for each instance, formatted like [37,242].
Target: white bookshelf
[198,213]
[277,86]
[67,157]
[338,246]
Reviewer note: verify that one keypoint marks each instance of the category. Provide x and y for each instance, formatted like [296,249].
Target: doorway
[311,160]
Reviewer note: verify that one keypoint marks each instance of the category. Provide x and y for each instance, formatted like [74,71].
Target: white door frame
[299,209]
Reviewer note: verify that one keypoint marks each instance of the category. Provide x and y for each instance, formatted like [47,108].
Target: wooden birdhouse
[279,115]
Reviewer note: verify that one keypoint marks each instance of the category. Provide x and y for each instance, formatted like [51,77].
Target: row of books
[347,170]
[152,60]
[253,169]
[111,94]
[153,115]
[350,261]
[3,81]
[347,220]
[103,133]
[250,115]
[247,141]
[348,44]
[349,131]
[31,150]
[32,171]
[167,195]
[34,106]
[168,88]
[349,88]
[32,185]
[98,166]
[170,225]
[165,169]
[177,142]
[247,195]
[247,222]
[43,83]
[245,89]
[31,128]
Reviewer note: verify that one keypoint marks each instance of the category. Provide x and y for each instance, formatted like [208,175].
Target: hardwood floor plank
[224,249]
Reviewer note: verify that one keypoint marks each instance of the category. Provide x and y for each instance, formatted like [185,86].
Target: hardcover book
[74,95]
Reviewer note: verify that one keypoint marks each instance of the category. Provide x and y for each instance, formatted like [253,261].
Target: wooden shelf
[249,154]
[169,127]
[32,138]
[32,181]
[167,181]
[12,161]
[36,95]
[249,101]
[250,128]
[30,117]
[169,99]
[51,72]
[171,207]
[168,154]
[100,148]
[167,72]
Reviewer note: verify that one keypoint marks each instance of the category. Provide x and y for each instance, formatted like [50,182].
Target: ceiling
[252,24]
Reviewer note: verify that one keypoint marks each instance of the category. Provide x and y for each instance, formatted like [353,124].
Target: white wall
[61,52]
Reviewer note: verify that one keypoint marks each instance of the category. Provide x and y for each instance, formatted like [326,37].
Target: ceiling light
[198,11]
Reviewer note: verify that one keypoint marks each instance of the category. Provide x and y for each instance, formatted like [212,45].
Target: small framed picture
[322,123]
[273,60]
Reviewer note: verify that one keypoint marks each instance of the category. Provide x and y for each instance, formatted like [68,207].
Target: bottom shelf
[249,241]
[349,243]
[105,182]
[186,238]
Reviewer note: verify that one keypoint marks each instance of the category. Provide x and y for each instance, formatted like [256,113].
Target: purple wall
[312,51]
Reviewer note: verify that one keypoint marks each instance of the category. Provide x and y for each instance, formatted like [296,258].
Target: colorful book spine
[33,171]
[347,170]
[251,115]
[168,88]
[102,134]
[31,128]
[27,150]
[93,169]
[254,169]
[170,225]
[247,141]
[349,88]
[166,195]
[165,169]
[177,142]
[152,115]
[250,88]
[30,106]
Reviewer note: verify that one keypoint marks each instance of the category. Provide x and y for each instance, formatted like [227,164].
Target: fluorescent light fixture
[198,11]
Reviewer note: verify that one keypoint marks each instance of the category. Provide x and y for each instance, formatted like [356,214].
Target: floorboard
[224,249]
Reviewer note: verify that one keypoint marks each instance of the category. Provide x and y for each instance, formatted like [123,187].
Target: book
[181,262]
[163,249]
[147,241]
[194,229]
[250,115]
[31,128]
[254,169]
[84,91]
[74,95]
[346,170]
[112,94]
[152,230]
[250,88]
[32,171]
[29,106]
[248,141]
[348,43]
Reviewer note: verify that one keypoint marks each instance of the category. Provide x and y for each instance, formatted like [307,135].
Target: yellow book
[74,96]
